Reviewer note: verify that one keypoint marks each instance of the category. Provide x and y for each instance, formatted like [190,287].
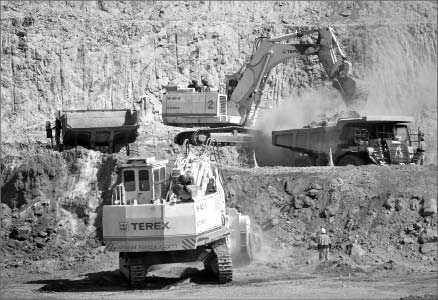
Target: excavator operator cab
[231,82]
[143,182]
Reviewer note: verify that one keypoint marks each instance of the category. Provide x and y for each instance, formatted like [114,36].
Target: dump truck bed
[90,128]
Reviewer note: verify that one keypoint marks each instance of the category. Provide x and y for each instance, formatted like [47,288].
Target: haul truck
[226,118]
[107,130]
[162,217]
[352,141]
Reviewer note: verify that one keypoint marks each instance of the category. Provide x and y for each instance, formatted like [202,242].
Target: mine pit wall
[54,199]
[99,63]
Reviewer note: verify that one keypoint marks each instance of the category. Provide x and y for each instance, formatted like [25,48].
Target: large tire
[351,160]
[303,161]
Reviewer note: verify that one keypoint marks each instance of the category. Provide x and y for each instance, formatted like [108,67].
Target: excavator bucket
[346,86]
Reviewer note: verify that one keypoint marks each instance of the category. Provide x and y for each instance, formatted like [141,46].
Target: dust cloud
[403,76]
[298,111]
[294,113]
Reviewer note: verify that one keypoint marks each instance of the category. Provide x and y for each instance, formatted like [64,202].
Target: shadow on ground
[114,281]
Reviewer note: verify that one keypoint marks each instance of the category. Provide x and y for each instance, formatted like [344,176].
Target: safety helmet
[322,230]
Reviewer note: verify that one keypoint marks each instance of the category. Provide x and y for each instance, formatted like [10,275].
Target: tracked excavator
[176,213]
[226,118]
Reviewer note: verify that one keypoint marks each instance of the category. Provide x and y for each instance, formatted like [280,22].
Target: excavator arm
[270,52]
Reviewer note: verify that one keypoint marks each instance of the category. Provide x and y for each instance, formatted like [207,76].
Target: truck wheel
[351,160]
[303,161]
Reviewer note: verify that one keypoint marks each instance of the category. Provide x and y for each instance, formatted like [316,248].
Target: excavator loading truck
[226,117]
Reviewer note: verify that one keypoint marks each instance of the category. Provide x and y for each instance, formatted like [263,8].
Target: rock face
[77,55]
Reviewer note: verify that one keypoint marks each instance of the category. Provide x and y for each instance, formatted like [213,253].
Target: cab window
[129,180]
[162,173]
[402,132]
[143,176]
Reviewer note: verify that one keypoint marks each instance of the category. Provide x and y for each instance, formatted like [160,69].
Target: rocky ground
[382,221]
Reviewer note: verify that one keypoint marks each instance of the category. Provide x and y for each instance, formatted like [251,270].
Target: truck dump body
[370,139]
[91,128]
[307,140]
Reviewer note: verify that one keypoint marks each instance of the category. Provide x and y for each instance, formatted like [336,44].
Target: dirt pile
[373,214]
[51,204]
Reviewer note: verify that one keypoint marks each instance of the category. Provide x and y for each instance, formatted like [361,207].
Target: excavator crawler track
[136,276]
[224,263]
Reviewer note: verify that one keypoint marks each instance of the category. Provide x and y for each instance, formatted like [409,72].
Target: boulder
[289,187]
[42,234]
[336,182]
[38,210]
[329,211]
[299,201]
[389,203]
[408,240]
[274,221]
[313,193]
[417,226]
[21,233]
[399,204]
[326,213]
[315,186]
[414,204]
[427,236]
[428,248]
[40,242]
[356,250]
[312,245]
[6,223]
[429,207]
[6,211]
[308,202]
[305,215]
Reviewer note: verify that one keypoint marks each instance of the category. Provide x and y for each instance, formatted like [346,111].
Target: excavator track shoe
[220,263]
[137,276]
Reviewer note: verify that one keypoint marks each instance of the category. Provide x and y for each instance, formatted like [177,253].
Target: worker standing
[205,85]
[421,147]
[324,244]
[194,84]
[58,127]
